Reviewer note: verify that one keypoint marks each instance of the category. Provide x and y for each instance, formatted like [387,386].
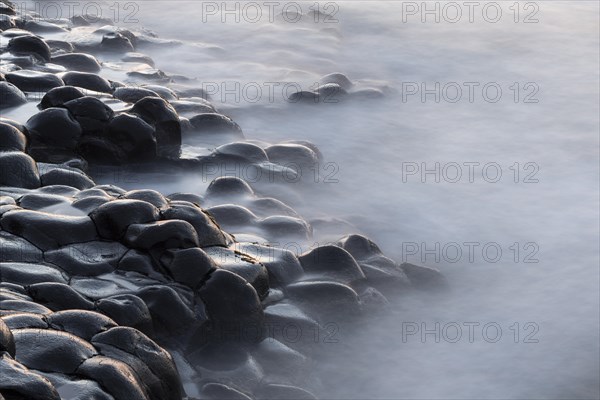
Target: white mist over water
[370,140]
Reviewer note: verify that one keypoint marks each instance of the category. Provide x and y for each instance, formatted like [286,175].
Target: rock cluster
[108,293]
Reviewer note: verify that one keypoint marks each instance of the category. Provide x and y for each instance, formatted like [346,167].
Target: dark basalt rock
[188,197]
[163,116]
[360,247]
[133,94]
[209,234]
[42,27]
[11,139]
[6,22]
[7,200]
[92,192]
[191,108]
[162,91]
[337,78]
[60,45]
[87,81]
[379,270]
[48,231]
[134,136]
[283,392]
[332,263]
[58,296]
[19,170]
[424,278]
[241,309]
[111,190]
[283,226]
[127,310]
[101,150]
[371,299]
[15,32]
[162,234]
[116,377]
[18,306]
[7,342]
[244,266]
[189,266]
[304,96]
[50,350]
[20,383]
[297,157]
[29,274]
[92,114]
[10,95]
[241,151]
[67,177]
[331,93]
[54,127]
[158,361]
[170,315]
[227,186]
[25,62]
[13,123]
[308,144]
[60,95]
[113,218]
[139,58]
[116,42]
[281,263]
[17,249]
[231,217]
[25,320]
[34,81]
[150,74]
[268,207]
[6,208]
[77,62]
[12,291]
[7,8]
[56,190]
[89,204]
[77,388]
[149,196]
[83,324]
[149,382]
[214,123]
[38,201]
[137,261]
[87,259]
[325,298]
[30,45]
[219,391]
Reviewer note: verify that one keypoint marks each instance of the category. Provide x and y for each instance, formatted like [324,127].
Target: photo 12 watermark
[252,12]
[469,332]
[470,252]
[125,12]
[518,172]
[452,12]
[489,92]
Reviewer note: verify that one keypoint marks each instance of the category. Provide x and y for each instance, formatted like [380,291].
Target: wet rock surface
[115,293]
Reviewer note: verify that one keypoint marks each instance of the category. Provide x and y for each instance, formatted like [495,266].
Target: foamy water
[373,147]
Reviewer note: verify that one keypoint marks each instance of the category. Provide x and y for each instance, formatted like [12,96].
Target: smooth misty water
[369,141]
